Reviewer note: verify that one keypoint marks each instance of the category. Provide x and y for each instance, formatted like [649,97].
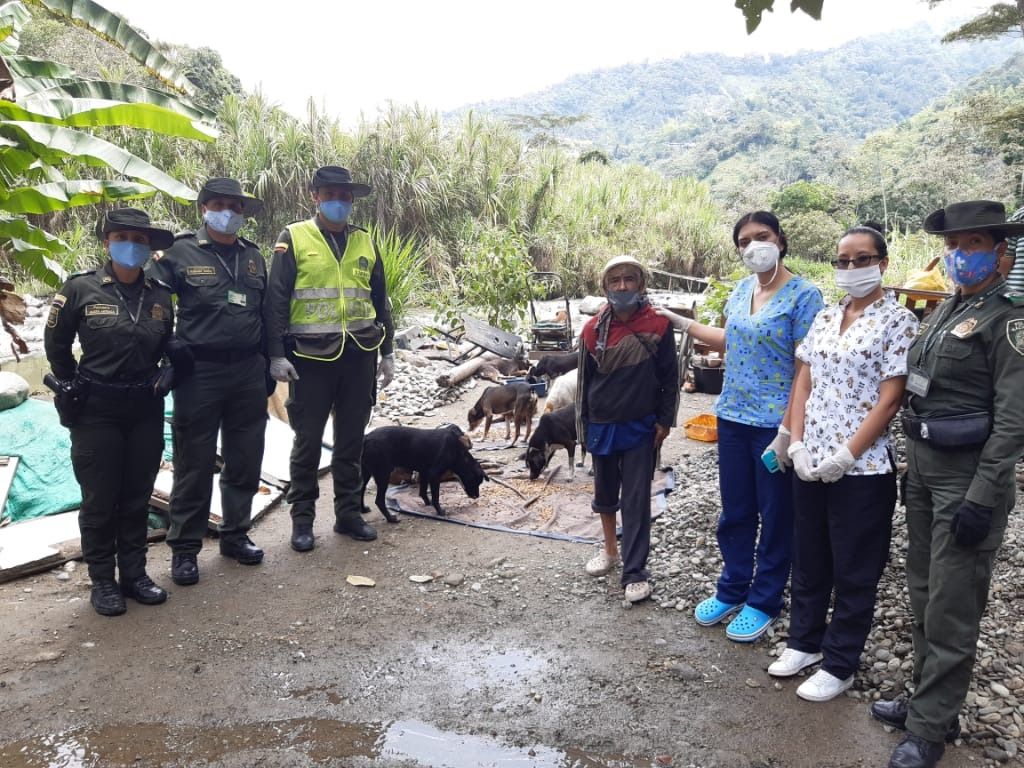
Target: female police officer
[965,431]
[112,401]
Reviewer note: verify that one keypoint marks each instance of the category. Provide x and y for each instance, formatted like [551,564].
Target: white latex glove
[781,447]
[679,322]
[835,466]
[282,370]
[802,462]
[386,370]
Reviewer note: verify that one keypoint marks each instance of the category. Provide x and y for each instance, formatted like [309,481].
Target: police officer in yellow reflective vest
[965,431]
[327,319]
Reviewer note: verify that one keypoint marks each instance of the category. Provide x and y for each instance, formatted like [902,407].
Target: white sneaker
[601,563]
[792,661]
[821,686]
[637,591]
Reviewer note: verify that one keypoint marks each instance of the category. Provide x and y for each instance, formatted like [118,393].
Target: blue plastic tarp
[44,483]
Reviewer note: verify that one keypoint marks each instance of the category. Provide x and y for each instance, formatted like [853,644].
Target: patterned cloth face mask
[970,269]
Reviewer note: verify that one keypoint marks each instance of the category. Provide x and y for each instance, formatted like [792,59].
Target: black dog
[430,452]
[557,428]
[553,366]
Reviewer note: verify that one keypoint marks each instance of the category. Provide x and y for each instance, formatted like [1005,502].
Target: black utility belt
[967,430]
[208,355]
[139,390]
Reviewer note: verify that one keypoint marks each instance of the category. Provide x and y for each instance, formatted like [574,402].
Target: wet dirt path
[527,663]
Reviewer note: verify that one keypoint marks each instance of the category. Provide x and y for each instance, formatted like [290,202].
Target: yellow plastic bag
[927,279]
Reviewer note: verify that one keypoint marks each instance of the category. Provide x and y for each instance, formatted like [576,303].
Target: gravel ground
[686,559]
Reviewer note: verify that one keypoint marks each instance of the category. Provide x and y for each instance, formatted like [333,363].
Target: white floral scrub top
[760,350]
[847,372]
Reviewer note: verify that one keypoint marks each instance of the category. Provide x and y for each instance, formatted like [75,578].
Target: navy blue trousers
[755,531]
[840,543]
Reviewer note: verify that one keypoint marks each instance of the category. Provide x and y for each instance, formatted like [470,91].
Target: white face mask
[227,222]
[859,282]
[760,256]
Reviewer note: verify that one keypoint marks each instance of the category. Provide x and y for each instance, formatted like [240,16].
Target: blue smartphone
[771,460]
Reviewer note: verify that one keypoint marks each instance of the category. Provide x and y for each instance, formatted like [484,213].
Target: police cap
[137,220]
[335,175]
[224,187]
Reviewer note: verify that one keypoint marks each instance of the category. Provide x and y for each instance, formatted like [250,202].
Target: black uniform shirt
[122,328]
[283,271]
[219,288]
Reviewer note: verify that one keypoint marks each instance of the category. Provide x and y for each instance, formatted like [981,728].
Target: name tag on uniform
[101,310]
[237,298]
[918,382]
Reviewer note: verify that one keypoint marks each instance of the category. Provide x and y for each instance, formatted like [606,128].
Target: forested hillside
[888,128]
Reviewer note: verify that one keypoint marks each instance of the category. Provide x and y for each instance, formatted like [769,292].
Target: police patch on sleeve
[1015,335]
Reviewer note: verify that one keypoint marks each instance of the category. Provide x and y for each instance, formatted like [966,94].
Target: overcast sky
[353,57]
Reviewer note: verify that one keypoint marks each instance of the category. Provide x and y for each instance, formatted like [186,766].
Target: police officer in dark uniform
[965,431]
[112,400]
[219,279]
[327,317]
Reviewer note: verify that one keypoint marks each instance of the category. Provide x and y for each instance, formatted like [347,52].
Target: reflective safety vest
[331,297]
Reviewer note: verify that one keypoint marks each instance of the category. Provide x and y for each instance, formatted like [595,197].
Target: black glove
[166,380]
[971,524]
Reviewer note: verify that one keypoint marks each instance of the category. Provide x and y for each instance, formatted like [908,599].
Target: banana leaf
[20,229]
[59,196]
[51,143]
[71,88]
[116,30]
[13,16]
[26,66]
[92,113]
[37,262]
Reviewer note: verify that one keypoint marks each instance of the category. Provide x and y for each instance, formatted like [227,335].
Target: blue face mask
[336,211]
[970,269]
[129,254]
[623,301]
[226,222]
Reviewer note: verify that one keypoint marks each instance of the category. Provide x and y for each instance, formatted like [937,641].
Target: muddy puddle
[321,740]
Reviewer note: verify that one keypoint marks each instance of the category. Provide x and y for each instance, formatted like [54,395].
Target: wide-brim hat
[137,220]
[619,261]
[337,176]
[224,187]
[973,215]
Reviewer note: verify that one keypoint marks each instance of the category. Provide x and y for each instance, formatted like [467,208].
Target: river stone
[13,390]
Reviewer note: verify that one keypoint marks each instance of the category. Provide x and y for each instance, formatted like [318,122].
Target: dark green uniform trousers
[116,447]
[346,386]
[948,584]
[230,398]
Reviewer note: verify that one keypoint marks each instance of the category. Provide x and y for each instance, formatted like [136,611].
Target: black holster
[69,397]
[959,432]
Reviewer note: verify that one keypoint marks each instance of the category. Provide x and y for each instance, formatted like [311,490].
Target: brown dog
[517,401]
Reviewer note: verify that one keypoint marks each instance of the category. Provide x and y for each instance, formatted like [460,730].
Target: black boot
[302,537]
[356,528]
[915,752]
[241,549]
[106,598]
[894,714]
[143,590]
[184,569]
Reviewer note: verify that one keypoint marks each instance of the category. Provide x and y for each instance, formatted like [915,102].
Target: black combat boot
[915,752]
[894,714]
[356,528]
[242,549]
[142,590]
[302,537]
[184,569]
[106,598]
